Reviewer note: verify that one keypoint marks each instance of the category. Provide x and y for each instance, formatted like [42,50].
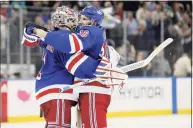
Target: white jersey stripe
[79,41]
[78,64]
[72,44]
[94,110]
[90,110]
[71,59]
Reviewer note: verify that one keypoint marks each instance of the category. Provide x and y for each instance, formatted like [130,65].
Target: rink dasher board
[139,97]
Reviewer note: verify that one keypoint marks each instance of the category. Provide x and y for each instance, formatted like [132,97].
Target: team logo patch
[84,33]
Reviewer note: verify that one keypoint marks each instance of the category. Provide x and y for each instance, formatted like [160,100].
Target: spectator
[39,20]
[14,35]
[151,6]
[177,8]
[116,33]
[141,43]
[142,12]
[187,38]
[156,15]
[119,9]
[61,3]
[176,47]
[107,4]
[35,7]
[156,22]
[132,25]
[160,66]
[3,33]
[186,19]
[96,4]
[150,32]
[182,67]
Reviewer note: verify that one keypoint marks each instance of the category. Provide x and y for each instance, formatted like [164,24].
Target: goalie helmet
[95,14]
[64,17]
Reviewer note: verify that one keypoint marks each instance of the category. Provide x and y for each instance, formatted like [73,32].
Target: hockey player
[88,38]
[54,75]
[94,98]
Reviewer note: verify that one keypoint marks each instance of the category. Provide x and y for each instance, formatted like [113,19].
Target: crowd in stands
[145,29]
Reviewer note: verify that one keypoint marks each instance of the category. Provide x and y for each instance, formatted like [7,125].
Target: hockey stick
[129,67]
[78,84]
[143,63]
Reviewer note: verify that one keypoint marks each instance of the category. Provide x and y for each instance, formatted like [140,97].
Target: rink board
[139,97]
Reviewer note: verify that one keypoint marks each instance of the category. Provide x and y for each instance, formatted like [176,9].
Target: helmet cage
[65,17]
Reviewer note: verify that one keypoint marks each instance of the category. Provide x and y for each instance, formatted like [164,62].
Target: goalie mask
[65,18]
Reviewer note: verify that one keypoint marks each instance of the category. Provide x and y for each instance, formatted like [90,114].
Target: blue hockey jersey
[54,75]
[88,39]
[56,65]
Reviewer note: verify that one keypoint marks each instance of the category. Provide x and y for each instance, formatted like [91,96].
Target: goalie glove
[37,30]
[110,75]
[29,39]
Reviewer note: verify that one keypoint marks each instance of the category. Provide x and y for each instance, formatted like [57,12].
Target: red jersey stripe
[74,61]
[104,47]
[52,90]
[76,43]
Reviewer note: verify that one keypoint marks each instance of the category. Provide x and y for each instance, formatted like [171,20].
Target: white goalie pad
[75,117]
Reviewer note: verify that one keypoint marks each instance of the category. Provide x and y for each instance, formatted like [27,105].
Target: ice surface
[171,121]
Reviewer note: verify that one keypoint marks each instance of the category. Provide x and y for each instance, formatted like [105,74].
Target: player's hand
[40,33]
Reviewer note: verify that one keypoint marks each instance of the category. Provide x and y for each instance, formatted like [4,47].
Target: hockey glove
[109,74]
[38,30]
[30,40]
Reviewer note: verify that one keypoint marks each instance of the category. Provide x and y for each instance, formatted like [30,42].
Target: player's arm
[85,67]
[65,41]
[82,66]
